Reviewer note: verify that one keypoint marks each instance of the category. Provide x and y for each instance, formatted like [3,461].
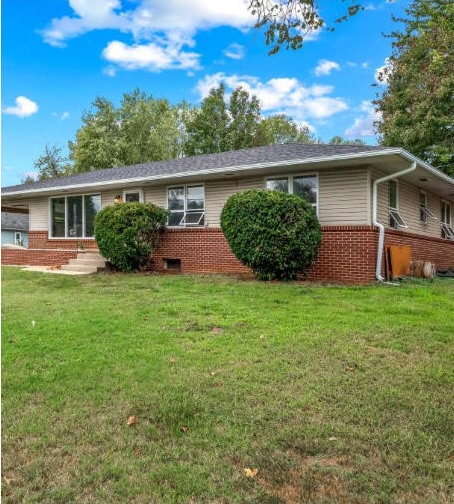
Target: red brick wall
[201,250]
[40,240]
[33,257]
[423,248]
[347,255]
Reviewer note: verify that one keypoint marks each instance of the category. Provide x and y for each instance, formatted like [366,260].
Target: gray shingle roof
[245,157]
[14,221]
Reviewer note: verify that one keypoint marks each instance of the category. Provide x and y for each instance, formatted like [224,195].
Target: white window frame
[17,237]
[446,230]
[67,237]
[424,212]
[395,219]
[133,191]
[290,178]
[201,222]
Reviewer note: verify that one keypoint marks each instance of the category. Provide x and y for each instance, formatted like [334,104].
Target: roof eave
[367,155]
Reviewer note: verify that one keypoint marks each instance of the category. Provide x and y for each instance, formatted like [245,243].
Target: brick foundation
[347,255]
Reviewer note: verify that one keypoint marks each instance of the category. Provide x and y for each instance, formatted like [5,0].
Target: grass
[335,394]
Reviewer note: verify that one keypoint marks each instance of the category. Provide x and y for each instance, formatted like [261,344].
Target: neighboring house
[14,229]
[365,197]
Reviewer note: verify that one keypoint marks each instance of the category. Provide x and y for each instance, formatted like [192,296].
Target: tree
[287,22]
[97,143]
[417,105]
[51,164]
[142,129]
[275,234]
[127,233]
[338,140]
[207,130]
[281,129]
[244,117]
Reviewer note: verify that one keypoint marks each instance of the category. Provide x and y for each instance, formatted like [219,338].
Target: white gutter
[381,236]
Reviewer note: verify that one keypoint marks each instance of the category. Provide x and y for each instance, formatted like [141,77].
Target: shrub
[275,234]
[127,233]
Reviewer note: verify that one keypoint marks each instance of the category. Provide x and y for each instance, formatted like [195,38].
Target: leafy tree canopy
[417,105]
[52,164]
[287,22]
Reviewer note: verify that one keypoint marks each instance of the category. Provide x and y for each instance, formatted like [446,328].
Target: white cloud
[24,107]
[31,174]
[64,116]
[234,51]
[363,125]
[281,95]
[160,30]
[325,67]
[150,57]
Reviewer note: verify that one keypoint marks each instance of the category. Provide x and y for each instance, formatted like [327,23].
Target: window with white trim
[133,195]
[395,219]
[73,216]
[18,238]
[446,230]
[186,204]
[305,186]
[424,213]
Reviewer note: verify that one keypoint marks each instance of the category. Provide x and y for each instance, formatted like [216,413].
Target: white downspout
[381,228]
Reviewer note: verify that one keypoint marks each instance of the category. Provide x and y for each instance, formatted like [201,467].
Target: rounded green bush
[275,234]
[127,233]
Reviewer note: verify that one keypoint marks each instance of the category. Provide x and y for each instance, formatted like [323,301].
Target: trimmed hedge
[127,233]
[275,234]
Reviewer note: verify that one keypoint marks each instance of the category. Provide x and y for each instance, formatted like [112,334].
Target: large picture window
[73,216]
[305,186]
[186,205]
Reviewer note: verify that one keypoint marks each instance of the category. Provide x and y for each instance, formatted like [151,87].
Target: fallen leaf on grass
[332,439]
[250,473]
[132,420]
[217,330]
[349,368]
[184,428]
[213,373]
[172,360]
[7,480]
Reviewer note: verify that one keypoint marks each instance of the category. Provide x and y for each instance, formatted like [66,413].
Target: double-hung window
[395,219]
[424,213]
[186,205]
[305,186]
[446,230]
[73,216]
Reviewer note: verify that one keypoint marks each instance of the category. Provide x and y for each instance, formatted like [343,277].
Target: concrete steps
[86,262]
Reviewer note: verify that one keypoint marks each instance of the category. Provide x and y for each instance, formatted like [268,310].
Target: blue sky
[59,55]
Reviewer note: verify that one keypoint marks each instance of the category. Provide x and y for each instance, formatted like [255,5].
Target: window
[73,216]
[133,195]
[395,219]
[446,230]
[424,212]
[305,186]
[18,238]
[186,205]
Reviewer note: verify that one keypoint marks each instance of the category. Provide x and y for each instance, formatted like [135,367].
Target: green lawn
[335,394]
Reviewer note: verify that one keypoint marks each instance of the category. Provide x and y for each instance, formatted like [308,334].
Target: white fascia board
[236,169]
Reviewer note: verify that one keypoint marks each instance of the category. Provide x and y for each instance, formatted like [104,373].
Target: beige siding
[39,214]
[217,193]
[156,195]
[408,207]
[343,197]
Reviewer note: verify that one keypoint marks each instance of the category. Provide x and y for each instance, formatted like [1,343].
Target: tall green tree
[141,129]
[97,144]
[417,105]
[52,164]
[207,130]
[282,129]
[244,117]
